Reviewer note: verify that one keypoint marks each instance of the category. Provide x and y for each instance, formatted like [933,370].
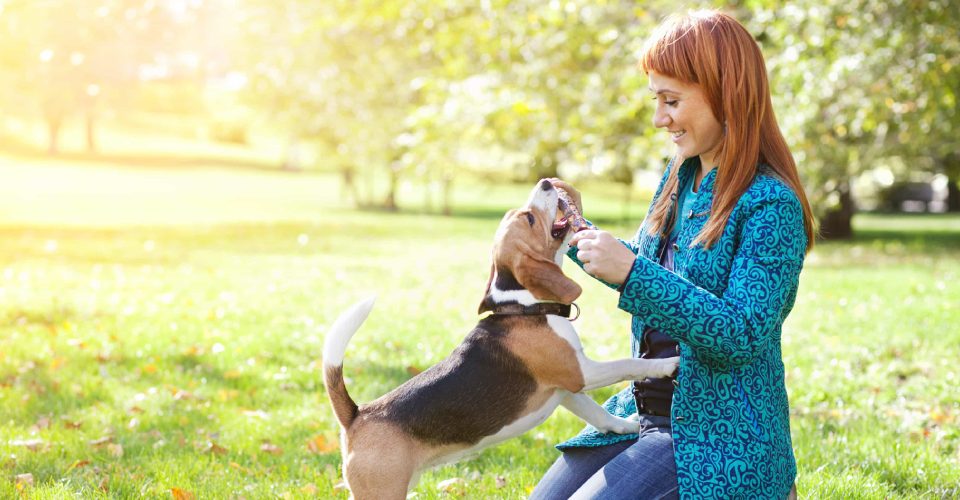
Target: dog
[506,377]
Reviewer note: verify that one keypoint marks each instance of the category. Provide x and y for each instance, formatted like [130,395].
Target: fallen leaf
[215,448]
[42,423]
[78,464]
[101,441]
[179,494]
[182,396]
[451,484]
[500,481]
[115,450]
[24,480]
[413,370]
[30,444]
[271,448]
[939,417]
[320,444]
[239,467]
[310,489]
[135,409]
[57,363]
[256,413]
[72,425]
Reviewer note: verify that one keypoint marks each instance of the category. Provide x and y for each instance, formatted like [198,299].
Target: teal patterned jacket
[725,307]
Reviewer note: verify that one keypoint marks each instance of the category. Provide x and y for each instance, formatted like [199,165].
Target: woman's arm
[734,328]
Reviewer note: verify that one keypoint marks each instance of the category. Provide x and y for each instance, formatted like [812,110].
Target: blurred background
[402,104]
[191,191]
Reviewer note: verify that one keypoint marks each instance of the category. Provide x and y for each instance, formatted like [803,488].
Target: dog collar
[537,309]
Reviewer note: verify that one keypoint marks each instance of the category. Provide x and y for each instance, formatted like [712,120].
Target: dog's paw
[618,425]
[668,367]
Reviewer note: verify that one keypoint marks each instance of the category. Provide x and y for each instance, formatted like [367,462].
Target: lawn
[161,331]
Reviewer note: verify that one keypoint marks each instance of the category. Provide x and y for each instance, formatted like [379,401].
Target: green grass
[180,314]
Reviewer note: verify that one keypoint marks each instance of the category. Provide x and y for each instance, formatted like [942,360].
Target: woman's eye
[670,103]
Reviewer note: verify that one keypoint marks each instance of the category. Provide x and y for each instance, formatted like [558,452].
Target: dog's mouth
[560,227]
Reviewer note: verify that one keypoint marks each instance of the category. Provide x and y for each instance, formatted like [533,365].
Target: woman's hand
[603,256]
[571,191]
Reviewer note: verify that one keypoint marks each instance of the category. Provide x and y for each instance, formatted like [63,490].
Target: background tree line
[429,90]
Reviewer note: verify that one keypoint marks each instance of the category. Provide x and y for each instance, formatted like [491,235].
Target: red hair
[714,51]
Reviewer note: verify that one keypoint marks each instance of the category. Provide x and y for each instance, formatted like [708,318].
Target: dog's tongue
[567,214]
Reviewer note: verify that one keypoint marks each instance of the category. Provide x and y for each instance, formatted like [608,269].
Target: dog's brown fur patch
[559,369]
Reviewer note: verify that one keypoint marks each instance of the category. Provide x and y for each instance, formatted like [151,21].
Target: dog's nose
[545,185]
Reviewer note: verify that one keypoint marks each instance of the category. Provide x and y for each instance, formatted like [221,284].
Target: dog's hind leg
[586,408]
[378,477]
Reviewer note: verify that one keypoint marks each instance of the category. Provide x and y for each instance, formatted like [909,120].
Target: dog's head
[528,249]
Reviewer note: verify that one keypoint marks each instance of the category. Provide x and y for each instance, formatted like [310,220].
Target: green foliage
[520,90]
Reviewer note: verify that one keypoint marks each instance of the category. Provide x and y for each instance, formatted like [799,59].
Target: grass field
[161,330]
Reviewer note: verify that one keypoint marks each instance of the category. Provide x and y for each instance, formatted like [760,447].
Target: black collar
[537,309]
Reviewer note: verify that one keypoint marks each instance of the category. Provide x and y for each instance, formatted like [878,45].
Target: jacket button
[676,248]
[676,383]
[690,214]
[679,419]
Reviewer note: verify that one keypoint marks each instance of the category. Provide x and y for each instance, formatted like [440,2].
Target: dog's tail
[334,348]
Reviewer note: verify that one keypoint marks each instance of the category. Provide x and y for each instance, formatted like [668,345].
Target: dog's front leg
[598,374]
[586,408]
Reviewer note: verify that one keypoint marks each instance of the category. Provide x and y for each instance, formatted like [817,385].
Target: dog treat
[568,210]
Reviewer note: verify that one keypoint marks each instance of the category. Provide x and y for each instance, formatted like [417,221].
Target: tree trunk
[837,223]
[348,188]
[427,196]
[91,137]
[447,194]
[390,202]
[53,134]
[953,194]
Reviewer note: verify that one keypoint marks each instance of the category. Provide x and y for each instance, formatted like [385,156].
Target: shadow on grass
[906,235]
[16,147]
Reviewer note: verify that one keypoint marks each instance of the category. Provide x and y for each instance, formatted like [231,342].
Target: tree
[859,83]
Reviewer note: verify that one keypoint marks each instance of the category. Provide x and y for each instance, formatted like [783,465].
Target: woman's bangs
[668,52]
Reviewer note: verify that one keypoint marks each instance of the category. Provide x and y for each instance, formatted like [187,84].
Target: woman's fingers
[571,191]
[588,234]
[603,255]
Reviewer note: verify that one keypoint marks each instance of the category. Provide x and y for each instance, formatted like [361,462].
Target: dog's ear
[544,278]
[486,304]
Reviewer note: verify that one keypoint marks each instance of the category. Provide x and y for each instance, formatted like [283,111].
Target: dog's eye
[530,218]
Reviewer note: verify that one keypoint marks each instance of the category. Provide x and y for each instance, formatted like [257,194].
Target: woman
[712,273]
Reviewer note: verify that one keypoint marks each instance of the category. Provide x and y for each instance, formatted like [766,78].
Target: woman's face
[682,109]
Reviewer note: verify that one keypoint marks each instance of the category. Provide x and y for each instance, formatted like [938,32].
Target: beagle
[506,377]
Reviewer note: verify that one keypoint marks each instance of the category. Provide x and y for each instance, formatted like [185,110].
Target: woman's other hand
[571,191]
[603,256]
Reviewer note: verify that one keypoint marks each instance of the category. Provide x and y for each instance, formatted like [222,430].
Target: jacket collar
[688,170]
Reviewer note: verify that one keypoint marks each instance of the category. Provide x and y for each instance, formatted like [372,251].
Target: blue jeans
[641,469]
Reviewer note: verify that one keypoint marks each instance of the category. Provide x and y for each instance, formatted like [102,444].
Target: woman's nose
[660,118]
